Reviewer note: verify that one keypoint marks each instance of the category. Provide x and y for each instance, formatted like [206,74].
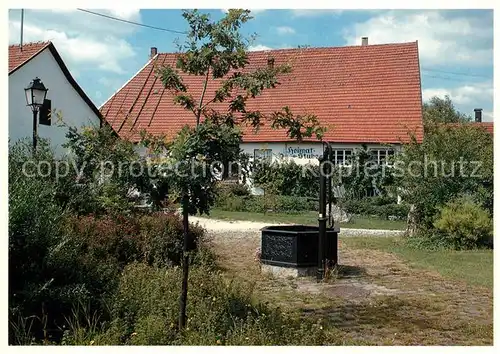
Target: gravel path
[254,227]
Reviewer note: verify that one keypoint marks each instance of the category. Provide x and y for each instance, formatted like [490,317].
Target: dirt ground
[375,298]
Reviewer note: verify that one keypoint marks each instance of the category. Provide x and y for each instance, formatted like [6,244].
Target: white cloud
[255,48]
[462,95]
[285,30]
[441,39]
[83,40]
[315,13]
[487,116]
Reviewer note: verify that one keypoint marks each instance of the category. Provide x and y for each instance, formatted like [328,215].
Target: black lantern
[35,97]
[35,94]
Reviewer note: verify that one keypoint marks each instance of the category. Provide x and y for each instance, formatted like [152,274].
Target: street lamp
[35,96]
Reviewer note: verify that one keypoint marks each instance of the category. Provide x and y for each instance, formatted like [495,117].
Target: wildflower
[133,334]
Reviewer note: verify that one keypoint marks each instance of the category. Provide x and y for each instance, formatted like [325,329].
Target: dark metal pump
[325,198]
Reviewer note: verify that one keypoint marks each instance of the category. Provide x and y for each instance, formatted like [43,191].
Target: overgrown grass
[474,267]
[307,218]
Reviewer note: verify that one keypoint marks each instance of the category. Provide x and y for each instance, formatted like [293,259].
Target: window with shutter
[45,113]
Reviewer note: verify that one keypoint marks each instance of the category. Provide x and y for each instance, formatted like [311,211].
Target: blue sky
[455,46]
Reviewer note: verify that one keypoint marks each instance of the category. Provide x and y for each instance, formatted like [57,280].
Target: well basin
[296,246]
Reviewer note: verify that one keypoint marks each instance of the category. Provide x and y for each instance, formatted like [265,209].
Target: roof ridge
[317,48]
[30,44]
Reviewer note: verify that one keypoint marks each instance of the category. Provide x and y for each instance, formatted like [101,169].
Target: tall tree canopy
[442,110]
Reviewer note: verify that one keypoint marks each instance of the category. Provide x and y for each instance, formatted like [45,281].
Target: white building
[65,102]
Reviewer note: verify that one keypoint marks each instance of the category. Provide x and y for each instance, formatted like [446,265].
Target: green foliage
[464,224]
[57,259]
[382,207]
[287,178]
[297,127]
[221,312]
[364,174]
[266,203]
[439,110]
[197,157]
[451,161]
[34,234]
[101,172]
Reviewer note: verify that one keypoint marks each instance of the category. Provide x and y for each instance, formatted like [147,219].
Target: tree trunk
[411,222]
[185,264]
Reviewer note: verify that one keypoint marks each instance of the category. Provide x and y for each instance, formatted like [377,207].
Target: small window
[342,157]
[45,113]
[381,156]
[263,154]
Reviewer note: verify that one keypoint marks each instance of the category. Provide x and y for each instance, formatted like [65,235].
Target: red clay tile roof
[360,93]
[488,126]
[18,56]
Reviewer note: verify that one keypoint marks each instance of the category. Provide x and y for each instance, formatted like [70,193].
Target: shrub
[220,311]
[161,237]
[452,149]
[382,207]
[265,203]
[287,178]
[34,236]
[81,259]
[464,224]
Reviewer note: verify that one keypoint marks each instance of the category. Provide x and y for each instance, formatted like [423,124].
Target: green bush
[287,178]
[452,160]
[464,224]
[382,207]
[265,203]
[161,238]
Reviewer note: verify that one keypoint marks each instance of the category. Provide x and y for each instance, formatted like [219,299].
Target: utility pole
[22,24]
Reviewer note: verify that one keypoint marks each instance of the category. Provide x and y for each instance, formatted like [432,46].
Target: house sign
[300,153]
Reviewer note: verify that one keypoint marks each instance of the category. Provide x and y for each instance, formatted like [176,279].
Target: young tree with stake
[216,50]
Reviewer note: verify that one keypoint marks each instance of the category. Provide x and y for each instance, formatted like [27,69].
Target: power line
[445,78]
[131,22]
[454,73]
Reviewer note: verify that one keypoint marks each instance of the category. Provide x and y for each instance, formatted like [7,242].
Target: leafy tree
[101,171]
[452,160]
[439,110]
[216,50]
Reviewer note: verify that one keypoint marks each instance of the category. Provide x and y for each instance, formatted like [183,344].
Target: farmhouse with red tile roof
[367,94]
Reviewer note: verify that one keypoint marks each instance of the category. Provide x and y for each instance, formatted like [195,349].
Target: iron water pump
[327,247]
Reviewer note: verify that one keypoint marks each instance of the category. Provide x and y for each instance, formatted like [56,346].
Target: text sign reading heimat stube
[300,152]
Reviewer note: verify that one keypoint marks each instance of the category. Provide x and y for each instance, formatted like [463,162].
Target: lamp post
[35,96]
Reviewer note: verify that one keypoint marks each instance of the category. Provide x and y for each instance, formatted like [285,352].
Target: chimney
[364,40]
[478,112]
[154,51]
[270,62]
